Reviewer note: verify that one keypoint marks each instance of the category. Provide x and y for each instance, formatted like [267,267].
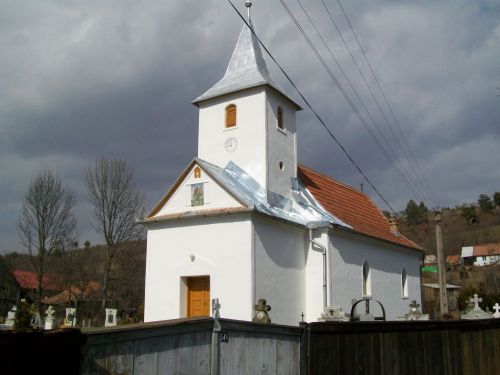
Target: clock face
[230,144]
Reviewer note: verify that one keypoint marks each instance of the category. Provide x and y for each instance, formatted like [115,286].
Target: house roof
[247,68]
[92,292]
[453,259]
[29,280]
[351,206]
[486,249]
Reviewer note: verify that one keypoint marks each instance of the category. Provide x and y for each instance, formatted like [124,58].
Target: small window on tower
[197,172]
[230,116]
[279,117]
[197,195]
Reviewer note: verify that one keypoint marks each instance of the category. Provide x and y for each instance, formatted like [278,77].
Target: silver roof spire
[248,4]
[246,69]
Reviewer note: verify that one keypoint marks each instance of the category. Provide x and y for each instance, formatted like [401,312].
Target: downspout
[317,225]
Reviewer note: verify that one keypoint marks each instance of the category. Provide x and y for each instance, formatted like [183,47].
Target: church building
[245,221]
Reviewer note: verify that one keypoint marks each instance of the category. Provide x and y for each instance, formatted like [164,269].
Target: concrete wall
[349,251]
[221,248]
[279,269]
[250,132]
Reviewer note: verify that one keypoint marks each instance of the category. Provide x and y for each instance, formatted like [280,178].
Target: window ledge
[231,128]
[282,130]
[405,297]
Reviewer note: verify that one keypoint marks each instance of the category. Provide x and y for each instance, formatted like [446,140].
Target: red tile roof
[453,259]
[351,206]
[486,249]
[29,280]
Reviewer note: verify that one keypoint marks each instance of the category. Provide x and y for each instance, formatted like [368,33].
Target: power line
[388,105]
[313,110]
[394,160]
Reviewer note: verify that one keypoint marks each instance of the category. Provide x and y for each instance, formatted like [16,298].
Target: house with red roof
[244,221]
[481,255]
[28,281]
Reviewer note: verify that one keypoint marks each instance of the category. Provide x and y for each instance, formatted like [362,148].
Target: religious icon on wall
[197,195]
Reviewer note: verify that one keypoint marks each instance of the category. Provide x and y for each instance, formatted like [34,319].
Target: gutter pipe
[318,225]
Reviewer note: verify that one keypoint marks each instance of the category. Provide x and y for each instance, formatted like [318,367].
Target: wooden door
[198,296]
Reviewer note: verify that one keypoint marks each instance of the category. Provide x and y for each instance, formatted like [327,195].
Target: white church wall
[348,252]
[250,134]
[281,144]
[279,266]
[314,276]
[221,247]
[214,196]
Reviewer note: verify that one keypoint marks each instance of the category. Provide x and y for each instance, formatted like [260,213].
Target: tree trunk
[38,300]
[109,259]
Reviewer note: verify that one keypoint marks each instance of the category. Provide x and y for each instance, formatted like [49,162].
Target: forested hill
[466,225]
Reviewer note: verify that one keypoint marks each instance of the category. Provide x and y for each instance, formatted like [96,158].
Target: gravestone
[333,314]
[49,318]
[70,320]
[496,307]
[476,312]
[261,312]
[11,317]
[36,321]
[414,313]
[111,320]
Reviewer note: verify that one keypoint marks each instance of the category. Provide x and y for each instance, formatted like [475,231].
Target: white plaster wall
[348,252]
[282,144]
[222,250]
[314,276]
[250,132]
[214,196]
[280,270]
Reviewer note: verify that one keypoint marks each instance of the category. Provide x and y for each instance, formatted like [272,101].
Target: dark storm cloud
[89,79]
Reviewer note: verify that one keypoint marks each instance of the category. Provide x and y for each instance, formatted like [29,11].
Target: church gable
[194,190]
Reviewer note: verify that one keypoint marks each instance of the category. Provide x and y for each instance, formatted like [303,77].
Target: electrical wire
[308,104]
[393,159]
[424,179]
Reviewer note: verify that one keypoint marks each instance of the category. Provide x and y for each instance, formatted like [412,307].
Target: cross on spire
[248,4]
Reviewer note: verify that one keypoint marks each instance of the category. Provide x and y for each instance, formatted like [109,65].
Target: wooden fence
[190,347]
[418,347]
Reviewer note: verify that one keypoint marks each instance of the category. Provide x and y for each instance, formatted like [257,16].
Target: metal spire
[248,4]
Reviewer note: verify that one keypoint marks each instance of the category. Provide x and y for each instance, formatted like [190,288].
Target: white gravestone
[333,314]
[414,313]
[110,318]
[70,320]
[476,312]
[11,317]
[49,317]
[496,307]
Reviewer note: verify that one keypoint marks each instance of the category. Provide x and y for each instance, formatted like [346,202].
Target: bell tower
[248,119]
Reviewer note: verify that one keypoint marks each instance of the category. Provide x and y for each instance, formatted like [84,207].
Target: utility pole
[443,295]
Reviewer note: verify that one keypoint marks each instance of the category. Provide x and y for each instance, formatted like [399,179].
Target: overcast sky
[81,80]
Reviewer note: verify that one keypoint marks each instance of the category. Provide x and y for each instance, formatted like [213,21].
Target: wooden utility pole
[443,295]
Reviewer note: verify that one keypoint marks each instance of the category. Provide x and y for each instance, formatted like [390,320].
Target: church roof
[351,206]
[247,68]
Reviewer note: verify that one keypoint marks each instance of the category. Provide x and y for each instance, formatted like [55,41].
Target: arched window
[367,285]
[404,284]
[197,172]
[230,116]
[279,118]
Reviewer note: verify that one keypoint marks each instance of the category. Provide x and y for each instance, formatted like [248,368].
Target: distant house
[481,255]
[28,281]
[10,289]
[76,294]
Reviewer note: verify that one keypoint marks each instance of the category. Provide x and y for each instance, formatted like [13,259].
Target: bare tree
[46,223]
[117,205]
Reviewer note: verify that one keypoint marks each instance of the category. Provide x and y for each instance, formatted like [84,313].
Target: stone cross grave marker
[49,318]
[261,312]
[496,307]
[476,301]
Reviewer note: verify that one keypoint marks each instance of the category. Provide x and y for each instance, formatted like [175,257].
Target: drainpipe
[317,225]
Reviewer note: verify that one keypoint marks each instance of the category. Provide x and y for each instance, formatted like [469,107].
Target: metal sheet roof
[247,68]
[301,208]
